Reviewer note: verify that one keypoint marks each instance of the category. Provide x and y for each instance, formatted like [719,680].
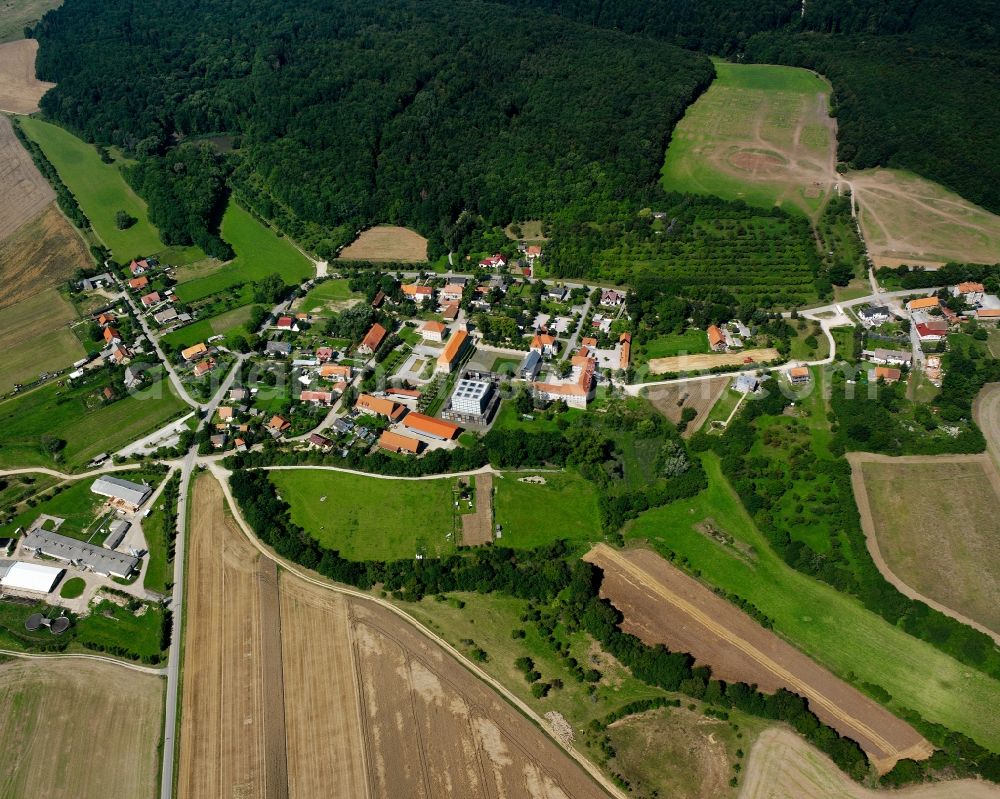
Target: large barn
[33,577]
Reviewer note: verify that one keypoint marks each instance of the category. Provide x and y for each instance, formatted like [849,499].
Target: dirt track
[24,193]
[387,243]
[661,604]
[20,90]
[477,528]
[783,766]
[954,575]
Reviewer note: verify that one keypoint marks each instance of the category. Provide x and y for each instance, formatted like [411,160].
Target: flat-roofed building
[471,396]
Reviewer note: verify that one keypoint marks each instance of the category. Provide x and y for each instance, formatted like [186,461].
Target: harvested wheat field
[477,528]
[783,766]
[932,525]
[78,729]
[661,604]
[42,253]
[387,243]
[24,193]
[292,689]
[20,90]
[709,360]
[698,394]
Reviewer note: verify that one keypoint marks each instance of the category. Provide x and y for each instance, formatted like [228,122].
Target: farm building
[116,534]
[716,338]
[431,427]
[625,353]
[932,330]
[124,493]
[379,406]
[96,559]
[394,442]
[33,577]
[452,351]
[373,339]
[923,304]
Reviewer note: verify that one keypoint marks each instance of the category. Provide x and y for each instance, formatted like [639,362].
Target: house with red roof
[373,340]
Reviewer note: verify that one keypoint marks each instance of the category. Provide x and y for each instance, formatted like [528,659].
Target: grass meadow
[367,518]
[259,252]
[35,338]
[77,504]
[208,327]
[327,295]
[824,623]
[532,515]
[102,192]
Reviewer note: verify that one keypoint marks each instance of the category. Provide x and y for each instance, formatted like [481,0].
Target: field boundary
[857,461]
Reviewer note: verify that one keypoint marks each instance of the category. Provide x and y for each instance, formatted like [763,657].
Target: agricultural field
[367,518]
[700,363]
[558,505]
[35,337]
[387,243]
[367,703]
[702,395]
[102,192]
[43,253]
[25,192]
[16,14]
[259,252]
[717,537]
[936,522]
[77,417]
[328,296]
[662,605]
[762,134]
[78,729]
[783,766]
[691,342]
[20,90]
[909,220]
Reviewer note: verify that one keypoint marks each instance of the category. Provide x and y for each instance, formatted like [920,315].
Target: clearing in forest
[79,729]
[292,689]
[935,523]
[762,134]
[387,243]
[661,604]
[909,220]
[20,90]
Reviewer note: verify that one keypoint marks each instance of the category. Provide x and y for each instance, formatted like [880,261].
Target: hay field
[698,394]
[78,729]
[35,337]
[936,522]
[762,134]
[24,193]
[20,90]
[42,253]
[661,604]
[907,219]
[387,243]
[783,766]
[701,363]
[348,700]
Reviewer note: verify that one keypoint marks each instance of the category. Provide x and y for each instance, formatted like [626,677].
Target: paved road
[156,439]
[571,345]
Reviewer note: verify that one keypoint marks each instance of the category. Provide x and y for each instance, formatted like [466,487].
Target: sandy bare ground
[387,243]
[477,528]
[24,193]
[931,524]
[661,604]
[20,90]
[986,412]
[698,394]
[906,219]
[78,729]
[783,766]
[704,362]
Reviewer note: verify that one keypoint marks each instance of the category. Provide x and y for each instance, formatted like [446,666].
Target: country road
[101,658]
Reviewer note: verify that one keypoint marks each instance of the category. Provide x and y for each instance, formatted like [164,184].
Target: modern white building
[471,397]
[33,577]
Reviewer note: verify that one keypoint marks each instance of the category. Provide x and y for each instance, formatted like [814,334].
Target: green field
[35,338]
[259,252]
[752,112]
[157,574]
[87,430]
[206,328]
[532,515]
[77,504]
[367,518]
[109,626]
[326,294]
[830,626]
[102,192]
[690,342]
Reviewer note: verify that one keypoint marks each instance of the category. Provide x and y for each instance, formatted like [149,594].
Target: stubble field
[25,192]
[663,605]
[936,522]
[78,729]
[20,90]
[371,706]
[699,363]
[387,243]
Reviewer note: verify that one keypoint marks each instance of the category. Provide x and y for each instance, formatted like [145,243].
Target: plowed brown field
[387,243]
[661,604]
[370,706]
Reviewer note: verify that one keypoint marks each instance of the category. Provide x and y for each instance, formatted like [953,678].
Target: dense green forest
[351,112]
